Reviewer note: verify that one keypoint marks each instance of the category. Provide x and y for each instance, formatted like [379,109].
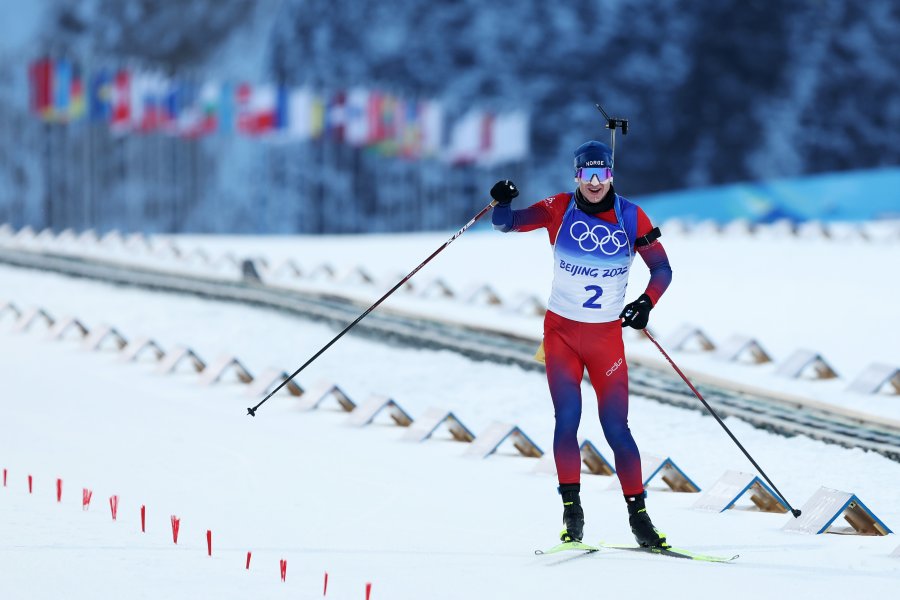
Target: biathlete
[595,234]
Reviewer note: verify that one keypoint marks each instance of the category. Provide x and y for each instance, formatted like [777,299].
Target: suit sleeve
[654,256]
[538,215]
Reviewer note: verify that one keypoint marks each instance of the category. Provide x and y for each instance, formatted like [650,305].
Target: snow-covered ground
[421,520]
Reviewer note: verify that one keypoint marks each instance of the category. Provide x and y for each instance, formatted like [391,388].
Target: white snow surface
[422,520]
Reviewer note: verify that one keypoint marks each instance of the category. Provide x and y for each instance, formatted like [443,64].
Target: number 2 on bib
[596,292]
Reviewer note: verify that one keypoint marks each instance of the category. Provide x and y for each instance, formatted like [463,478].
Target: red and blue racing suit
[582,329]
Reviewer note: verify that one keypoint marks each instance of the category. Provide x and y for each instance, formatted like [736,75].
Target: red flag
[41,75]
[121,100]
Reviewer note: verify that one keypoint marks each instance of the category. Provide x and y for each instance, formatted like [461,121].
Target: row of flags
[135,101]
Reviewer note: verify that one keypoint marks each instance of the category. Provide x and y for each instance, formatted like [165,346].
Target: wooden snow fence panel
[137,347]
[670,474]
[323,271]
[323,390]
[173,360]
[436,288]
[490,440]
[592,459]
[270,379]
[368,411]
[100,336]
[728,490]
[223,365]
[433,419]
[10,308]
[806,364]
[820,513]
[742,348]
[483,295]
[877,378]
[31,316]
[690,338]
[528,305]
[64,326]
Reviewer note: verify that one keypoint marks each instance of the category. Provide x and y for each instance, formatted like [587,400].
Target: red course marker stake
[114,506]
[248,560]
[4,477]
[283,564]
[143,519]
[176,524]
[58,489]
[30,480]
[325,591]
[209,542]
[86,498]
[368,590]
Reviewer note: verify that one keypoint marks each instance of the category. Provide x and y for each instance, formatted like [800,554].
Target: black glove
[637,313]
[504,192]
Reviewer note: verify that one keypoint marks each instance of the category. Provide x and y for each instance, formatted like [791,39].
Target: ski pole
[794,511]
[252,410]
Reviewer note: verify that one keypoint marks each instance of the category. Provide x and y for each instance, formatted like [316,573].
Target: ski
[671,551]
[568,546]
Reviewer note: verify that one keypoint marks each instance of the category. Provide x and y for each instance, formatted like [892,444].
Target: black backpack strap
[648,239]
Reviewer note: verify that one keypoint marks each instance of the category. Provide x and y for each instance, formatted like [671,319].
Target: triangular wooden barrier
[725,492]
[426,425]
[821,511]
[24,234]
[409,287]
[197,255]
[287,268]
[365,413]
[528,305]
[228,259]
[269,380]
[358,275]
[174,358]
[876,378]
[215,371]
[323,271]
[112,238]
[9,307]
[806,364]
[167,249]
[670,473]
[689,338]
[63,326]
[595,462]
[138,241]
[136,347]
[812,230]
[483,295]
[88,237]
[493,437]
[741,348]
[31,316]
[314,396]
[101,335]
[66,235]
[436,288]
[45,235]
[738,227]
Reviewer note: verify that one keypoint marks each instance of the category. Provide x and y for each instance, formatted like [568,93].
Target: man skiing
[595,234]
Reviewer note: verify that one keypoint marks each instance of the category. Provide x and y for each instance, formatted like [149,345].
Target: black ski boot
[573,515]
[642,527]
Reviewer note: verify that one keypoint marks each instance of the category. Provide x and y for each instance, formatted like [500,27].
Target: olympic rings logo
[589,238]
